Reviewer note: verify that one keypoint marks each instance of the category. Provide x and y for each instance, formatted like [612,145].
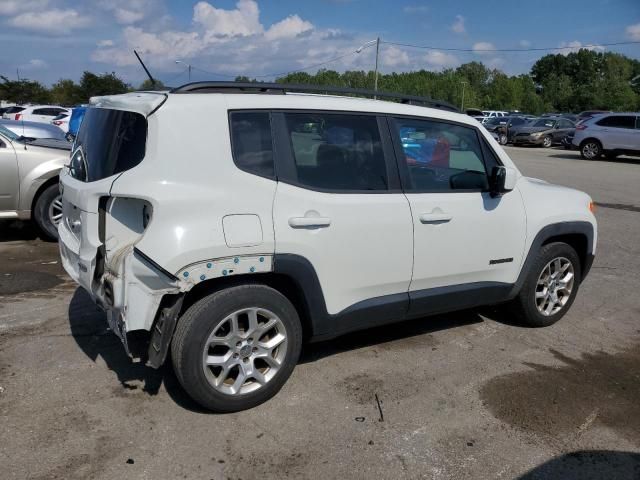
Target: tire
[591,150]
[503,139]
[531,300]
[47,212]
[547,141]
[221,388]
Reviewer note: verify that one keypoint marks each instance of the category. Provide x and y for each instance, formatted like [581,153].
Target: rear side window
[441,156]
[618,121]
[337,152]
[252,143]
[14,110]
[109,142]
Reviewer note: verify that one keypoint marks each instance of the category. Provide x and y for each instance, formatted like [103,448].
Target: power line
[427,47]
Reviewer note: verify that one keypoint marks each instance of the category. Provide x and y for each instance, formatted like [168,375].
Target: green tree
[149,85]
[66,92]
[23,91]
[93,85]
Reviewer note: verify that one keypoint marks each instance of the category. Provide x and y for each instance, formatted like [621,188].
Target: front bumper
[527,140]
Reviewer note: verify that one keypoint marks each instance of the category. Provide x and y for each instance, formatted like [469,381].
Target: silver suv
[611,134]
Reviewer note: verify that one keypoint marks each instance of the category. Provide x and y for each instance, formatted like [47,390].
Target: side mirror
[503,180]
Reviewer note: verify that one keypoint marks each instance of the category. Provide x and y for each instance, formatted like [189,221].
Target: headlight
[536,135]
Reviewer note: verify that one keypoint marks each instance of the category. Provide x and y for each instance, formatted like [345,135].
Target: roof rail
[281,88]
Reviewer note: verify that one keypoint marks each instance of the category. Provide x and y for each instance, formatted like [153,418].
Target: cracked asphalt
[465,395]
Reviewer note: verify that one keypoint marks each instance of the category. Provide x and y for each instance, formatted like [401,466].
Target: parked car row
[65,120]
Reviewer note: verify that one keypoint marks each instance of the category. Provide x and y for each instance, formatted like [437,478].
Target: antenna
[145,69]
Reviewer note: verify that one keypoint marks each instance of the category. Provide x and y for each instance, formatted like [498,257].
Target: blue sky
[47,40]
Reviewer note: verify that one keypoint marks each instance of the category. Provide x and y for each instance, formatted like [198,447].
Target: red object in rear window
[18,115]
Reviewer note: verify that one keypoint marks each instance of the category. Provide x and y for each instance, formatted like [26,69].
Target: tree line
[579,81]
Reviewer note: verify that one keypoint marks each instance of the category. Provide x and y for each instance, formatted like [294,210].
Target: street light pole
[375,85]
[188,67]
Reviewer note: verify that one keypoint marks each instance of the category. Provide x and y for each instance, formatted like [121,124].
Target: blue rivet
[224,272]
[209,265]
[236,260]
[202,277]
[186,274]
[252,269]
[262,259]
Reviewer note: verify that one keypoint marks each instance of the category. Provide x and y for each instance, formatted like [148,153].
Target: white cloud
[243,21]
[34,64]
[633,31]
[12,7]
[394,57]
[575,46]
[524,43]
[128,12]
[414,9]
[54,21]
[483,48]
[290,27]
[105,43]
[439,60]
[458,25]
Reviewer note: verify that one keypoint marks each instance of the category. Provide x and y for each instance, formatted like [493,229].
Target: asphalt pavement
[465,395]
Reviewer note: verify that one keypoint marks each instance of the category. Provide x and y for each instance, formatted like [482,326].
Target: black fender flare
[555,230]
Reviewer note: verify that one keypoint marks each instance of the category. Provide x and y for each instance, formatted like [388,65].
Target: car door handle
[435,218]
[309,222]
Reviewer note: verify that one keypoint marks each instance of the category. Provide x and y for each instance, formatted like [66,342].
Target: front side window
[252,143]
[337,152]
[441,156]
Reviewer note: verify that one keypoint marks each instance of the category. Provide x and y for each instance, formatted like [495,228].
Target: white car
[230,224]
[40,113]
[62,121]
[487,114]
[611,134]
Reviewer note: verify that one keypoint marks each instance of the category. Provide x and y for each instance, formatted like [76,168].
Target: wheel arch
[591,139]
[46,184]
[578,235]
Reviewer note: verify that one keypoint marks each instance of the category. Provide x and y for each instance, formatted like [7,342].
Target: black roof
[282,88]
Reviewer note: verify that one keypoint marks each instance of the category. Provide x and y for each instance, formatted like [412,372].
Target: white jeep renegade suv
[232,221]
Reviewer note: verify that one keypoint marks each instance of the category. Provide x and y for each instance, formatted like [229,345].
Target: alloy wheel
[244,351]
[546,142]
[55,211]
[591,150]
[554,286]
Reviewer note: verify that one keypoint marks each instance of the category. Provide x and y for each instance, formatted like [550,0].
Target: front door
[336,207]
[9,181]
[463,238]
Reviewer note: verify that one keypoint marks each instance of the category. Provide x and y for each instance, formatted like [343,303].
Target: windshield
[8,133]
[497,120]
[110,142]
[544,123]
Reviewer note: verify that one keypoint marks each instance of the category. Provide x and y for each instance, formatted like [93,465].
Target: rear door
[464,240]
[339,206]
[619,132]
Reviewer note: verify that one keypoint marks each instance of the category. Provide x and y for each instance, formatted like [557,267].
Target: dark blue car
[77,114]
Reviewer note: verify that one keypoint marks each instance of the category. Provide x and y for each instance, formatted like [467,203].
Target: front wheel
[47,212]
[547,142]
[235,348]
[551,286]
[503,139]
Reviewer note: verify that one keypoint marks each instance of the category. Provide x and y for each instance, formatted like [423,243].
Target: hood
[49,143]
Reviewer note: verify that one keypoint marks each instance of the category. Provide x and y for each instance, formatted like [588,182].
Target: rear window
[109,142]
[618,121]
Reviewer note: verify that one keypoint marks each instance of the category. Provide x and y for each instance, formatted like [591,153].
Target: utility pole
[462,103]
[375,84]
[188,67]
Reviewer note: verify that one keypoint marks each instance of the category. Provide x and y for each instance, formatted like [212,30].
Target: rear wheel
[503,139]
[551,286]
[47,212]
[235,348]
[591,150]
